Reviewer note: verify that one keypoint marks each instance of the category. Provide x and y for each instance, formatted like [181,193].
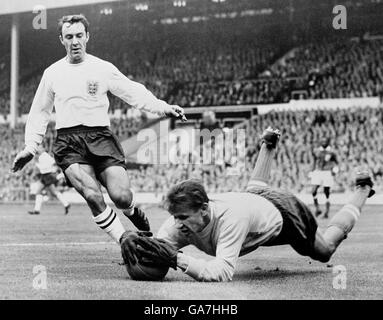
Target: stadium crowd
[169,61]
[12,187]
[224,67]
[338,69]
[355,134]
[335,69]
[206,72]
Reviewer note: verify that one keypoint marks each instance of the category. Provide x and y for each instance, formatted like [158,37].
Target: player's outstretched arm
[219,269]
[175,112]
[22,158]
[162,253]
[138,96]
[37,122]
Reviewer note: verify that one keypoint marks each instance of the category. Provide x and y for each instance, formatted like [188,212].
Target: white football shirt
[79,94]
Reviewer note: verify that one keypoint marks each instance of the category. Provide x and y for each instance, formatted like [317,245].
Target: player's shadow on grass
[276,273]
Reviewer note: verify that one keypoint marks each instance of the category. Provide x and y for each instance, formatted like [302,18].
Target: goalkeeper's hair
[186,195]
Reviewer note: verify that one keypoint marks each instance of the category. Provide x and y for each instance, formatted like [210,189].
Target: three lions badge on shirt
[92,88]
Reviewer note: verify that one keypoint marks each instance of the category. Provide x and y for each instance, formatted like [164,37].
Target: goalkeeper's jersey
[240,223]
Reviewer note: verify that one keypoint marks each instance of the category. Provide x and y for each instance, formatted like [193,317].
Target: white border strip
[53,244]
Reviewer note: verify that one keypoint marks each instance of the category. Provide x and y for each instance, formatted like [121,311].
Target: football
[146,272]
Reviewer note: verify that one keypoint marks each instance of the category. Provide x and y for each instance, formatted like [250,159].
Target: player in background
[47,175]
[233,224]
[85,148]
[325,166]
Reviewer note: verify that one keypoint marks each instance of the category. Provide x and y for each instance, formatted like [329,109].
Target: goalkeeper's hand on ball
[128,242]
[158,251]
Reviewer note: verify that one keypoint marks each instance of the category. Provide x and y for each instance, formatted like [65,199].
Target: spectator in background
[47,174]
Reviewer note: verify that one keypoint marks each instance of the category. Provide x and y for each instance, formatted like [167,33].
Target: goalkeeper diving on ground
[230,225]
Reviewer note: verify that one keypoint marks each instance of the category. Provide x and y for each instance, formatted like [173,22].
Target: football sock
[38,202]
[261,173]
[344,220]
[129,211]
[359,198]
[110,223]
[61,198]
[341,224]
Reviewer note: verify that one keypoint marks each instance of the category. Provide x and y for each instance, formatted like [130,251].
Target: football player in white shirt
[85,149]
[233,224]
[46,166]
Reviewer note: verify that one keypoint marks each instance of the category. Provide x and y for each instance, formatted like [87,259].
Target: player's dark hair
[325,140]
[186,195]
[73,19]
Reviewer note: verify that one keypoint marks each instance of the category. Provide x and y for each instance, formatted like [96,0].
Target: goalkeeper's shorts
[299,224]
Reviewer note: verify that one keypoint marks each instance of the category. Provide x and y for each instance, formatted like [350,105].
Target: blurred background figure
[47,180]
[324,167]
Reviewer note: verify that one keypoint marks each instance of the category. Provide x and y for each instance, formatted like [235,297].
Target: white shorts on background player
[322,178]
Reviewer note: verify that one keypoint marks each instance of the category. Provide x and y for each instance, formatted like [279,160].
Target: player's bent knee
[322,257]
[324,254]
[122,199]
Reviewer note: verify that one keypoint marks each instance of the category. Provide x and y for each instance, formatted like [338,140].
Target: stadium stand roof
[18,6]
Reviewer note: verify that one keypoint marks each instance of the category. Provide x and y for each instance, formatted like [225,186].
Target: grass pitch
[81,262]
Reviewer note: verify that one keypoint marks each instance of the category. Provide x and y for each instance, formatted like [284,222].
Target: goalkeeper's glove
[129,246]
[158,251]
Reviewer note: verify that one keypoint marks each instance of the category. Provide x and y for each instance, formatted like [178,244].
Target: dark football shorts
[299,225]
[47,179]
[94,146]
